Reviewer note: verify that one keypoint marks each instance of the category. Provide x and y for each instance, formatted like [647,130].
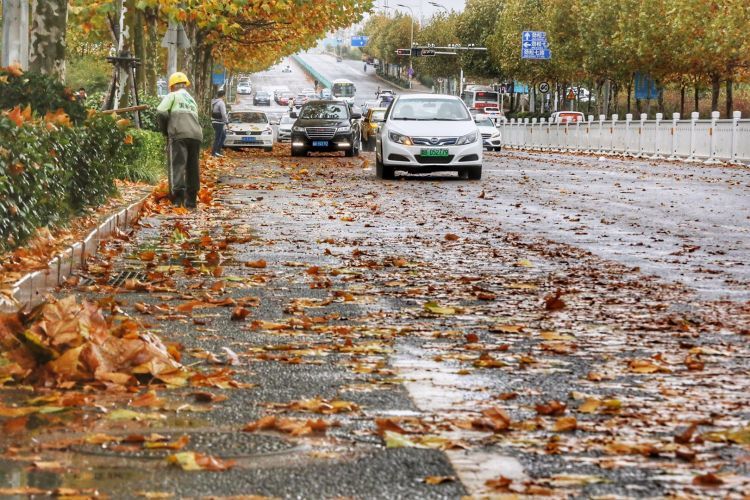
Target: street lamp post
[439,6]
[411,38]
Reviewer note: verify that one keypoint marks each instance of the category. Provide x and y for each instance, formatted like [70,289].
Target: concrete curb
[30,290]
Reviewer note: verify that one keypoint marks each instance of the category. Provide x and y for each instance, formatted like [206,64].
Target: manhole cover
[216,443]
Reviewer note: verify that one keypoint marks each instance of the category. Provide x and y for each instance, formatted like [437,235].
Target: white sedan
[491,136]
[249,129]
[425,133]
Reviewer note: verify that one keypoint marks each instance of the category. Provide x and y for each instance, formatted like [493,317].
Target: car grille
[434,160]
[320,132]
[486,136]
[426,141]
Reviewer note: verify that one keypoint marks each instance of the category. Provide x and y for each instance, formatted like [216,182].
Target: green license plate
[435,153]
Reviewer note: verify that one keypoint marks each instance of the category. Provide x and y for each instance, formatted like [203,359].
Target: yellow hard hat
[178,77]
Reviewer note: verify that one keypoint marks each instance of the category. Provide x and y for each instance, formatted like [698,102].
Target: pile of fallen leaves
[63,343]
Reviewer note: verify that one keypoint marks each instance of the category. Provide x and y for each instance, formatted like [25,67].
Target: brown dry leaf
[257,264]
[500,484]
[323,406]
[438,479]
[390,425]
[709,480]
[451,237]
[208,397]
[194,461]
[590,406]
[506,328]
[566,424]
[646,366]
[147,256]
[551,408]
[554,302]
[240,313]
[167,445]
[493,419]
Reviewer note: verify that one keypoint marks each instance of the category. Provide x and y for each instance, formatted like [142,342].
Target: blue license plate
[320,144]
[248,139]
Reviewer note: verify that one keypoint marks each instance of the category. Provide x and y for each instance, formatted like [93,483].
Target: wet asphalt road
[687,223]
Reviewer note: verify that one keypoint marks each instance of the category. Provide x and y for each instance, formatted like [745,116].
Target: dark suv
[327,126]
[262,97]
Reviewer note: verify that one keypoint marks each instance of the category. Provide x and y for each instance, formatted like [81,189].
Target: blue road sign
[218,75]
[520,88]
[645,87]
[534,45]
[359,41]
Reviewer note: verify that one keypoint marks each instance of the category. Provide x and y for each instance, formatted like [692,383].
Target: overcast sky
[427,9]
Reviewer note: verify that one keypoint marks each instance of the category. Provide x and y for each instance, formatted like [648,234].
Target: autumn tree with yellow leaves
[242,35]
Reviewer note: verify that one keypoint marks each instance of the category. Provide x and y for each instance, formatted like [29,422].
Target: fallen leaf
[709,480]
[435,308]
[565,424]
[438,479]
[194,461]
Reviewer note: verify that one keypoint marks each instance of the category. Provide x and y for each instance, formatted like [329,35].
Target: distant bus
[344,90]
[480,97]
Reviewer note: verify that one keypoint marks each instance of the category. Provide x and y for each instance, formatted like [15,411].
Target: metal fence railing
[709,141]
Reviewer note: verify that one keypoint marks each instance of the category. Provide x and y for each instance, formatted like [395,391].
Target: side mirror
[293,114]
[356,115]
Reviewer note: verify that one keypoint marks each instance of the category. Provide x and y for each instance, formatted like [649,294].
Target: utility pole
[15,33]
[411,40]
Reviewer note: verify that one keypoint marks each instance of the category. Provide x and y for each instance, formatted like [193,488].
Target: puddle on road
[438,391]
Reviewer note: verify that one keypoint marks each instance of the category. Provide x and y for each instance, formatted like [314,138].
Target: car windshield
[324,111]
[429,109]
[261,94]
[484,122]
[377,116]
[286,120]
[248,118]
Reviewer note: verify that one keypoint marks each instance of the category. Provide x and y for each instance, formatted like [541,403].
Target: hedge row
[55,164]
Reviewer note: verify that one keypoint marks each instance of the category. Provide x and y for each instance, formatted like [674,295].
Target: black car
[327,126]
[262,97]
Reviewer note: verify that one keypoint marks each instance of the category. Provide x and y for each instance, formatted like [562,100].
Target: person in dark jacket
[219,120]
[177,116]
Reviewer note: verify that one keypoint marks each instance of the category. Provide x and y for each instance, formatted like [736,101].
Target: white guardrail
[708,141]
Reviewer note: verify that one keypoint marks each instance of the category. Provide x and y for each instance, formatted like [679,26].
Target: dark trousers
[219,136]
[184,169]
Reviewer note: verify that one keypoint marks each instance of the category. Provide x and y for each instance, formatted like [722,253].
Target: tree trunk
[630,93]
[49,20]
[682,100]
[139,50]
[660,99]
[715,90]
[696,99]
[150,62]
[730,98]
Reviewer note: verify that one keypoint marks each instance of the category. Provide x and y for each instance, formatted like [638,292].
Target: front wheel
[382,170]
[298,152]
[475,173]
[268,150]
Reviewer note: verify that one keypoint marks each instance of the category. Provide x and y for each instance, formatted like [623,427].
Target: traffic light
[403,52]
[428,52]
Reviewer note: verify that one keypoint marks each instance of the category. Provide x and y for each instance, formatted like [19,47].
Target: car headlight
[345,128]
[298,129]
[401,139]
[496,133]
[467,139]
[268,131]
